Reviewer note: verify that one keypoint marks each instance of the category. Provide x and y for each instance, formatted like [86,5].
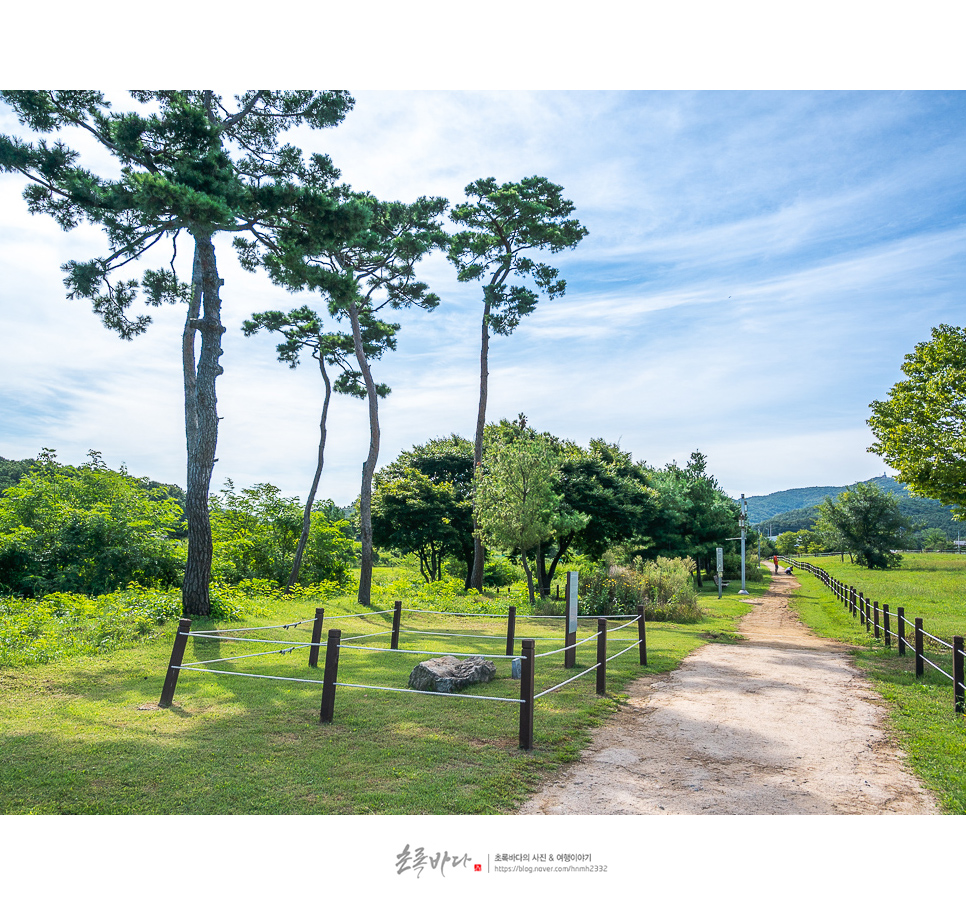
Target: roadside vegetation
[931,586]
[82,734]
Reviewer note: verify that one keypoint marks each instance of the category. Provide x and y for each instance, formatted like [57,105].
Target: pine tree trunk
[307,515]
[201,420]
[369,468]
[479,557]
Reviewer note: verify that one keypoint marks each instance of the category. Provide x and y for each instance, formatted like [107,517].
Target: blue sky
[758,264]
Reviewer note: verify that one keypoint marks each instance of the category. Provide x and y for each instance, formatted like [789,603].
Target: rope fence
[335,643]
[879,622]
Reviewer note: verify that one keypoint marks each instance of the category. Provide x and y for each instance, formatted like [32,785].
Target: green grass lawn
[920,711]
[75,739]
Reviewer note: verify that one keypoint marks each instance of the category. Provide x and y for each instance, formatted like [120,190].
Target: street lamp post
[743,524]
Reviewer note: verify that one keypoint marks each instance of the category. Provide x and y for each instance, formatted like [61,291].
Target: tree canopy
[87,529]
[422,504]
[189,163]
[921,427]
[866,522]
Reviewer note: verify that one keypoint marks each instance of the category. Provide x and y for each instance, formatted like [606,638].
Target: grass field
[74,738]
[931,586]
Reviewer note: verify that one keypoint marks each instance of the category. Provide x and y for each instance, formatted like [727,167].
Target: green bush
[664,585]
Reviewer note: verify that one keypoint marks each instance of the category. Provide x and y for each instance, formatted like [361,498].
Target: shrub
[663,585]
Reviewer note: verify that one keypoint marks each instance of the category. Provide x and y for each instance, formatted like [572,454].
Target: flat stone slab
[449,674]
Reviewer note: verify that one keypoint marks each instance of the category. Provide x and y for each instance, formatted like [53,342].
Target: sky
[757,265]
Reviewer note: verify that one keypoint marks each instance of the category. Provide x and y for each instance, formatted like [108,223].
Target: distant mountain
[796,509]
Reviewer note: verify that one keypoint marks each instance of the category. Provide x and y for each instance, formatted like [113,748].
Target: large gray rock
[449,674]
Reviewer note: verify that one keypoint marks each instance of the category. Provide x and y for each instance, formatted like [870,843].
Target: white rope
[255,628]
[575,644]
[460,635]
[239,657]
[368,635]
[346,616]
[421,692]
[628,648]
[233,673]
[631,623]
[205,635]
[565,682]
[456,613]
[454,654]
[930,663]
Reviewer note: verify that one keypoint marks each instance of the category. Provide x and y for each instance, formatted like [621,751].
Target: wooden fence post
[511,624]
[887,636]
[919,665]
[526,694]
[959,691]
[601,657]
[396,619]
[852,606]
[875,611]
[316,637]
[642,635]
[861,607]
[174,665]
[901,634]
[330,675]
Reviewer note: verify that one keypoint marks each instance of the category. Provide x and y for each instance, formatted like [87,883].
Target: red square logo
[477,867]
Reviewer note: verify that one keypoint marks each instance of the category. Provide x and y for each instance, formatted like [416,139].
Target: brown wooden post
[919,664]
[174,665]
[642,635]
[875,617]
[861,607]
[396,619]
[330,675]
[959,690]
[901,633]
[854,608]
[601,657]
[886,634]
[316,637]
[526,694]
[868,615]
[511,625]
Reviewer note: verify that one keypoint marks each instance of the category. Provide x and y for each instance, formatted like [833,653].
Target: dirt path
[779,723]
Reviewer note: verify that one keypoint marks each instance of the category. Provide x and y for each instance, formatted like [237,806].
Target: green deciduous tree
[865,521]
[603,485]
[503,224]
[87,529]
[921,427]
[516,506]
[422,504]
[257,531]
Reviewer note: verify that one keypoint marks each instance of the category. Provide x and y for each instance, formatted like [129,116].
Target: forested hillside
[796,509]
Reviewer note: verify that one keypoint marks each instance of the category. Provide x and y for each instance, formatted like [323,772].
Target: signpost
[719,553]
[570,639]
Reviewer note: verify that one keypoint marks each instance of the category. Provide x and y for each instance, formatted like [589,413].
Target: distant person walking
[776,564]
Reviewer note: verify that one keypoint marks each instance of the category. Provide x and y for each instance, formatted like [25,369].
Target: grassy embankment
[74,737]
[930,586]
